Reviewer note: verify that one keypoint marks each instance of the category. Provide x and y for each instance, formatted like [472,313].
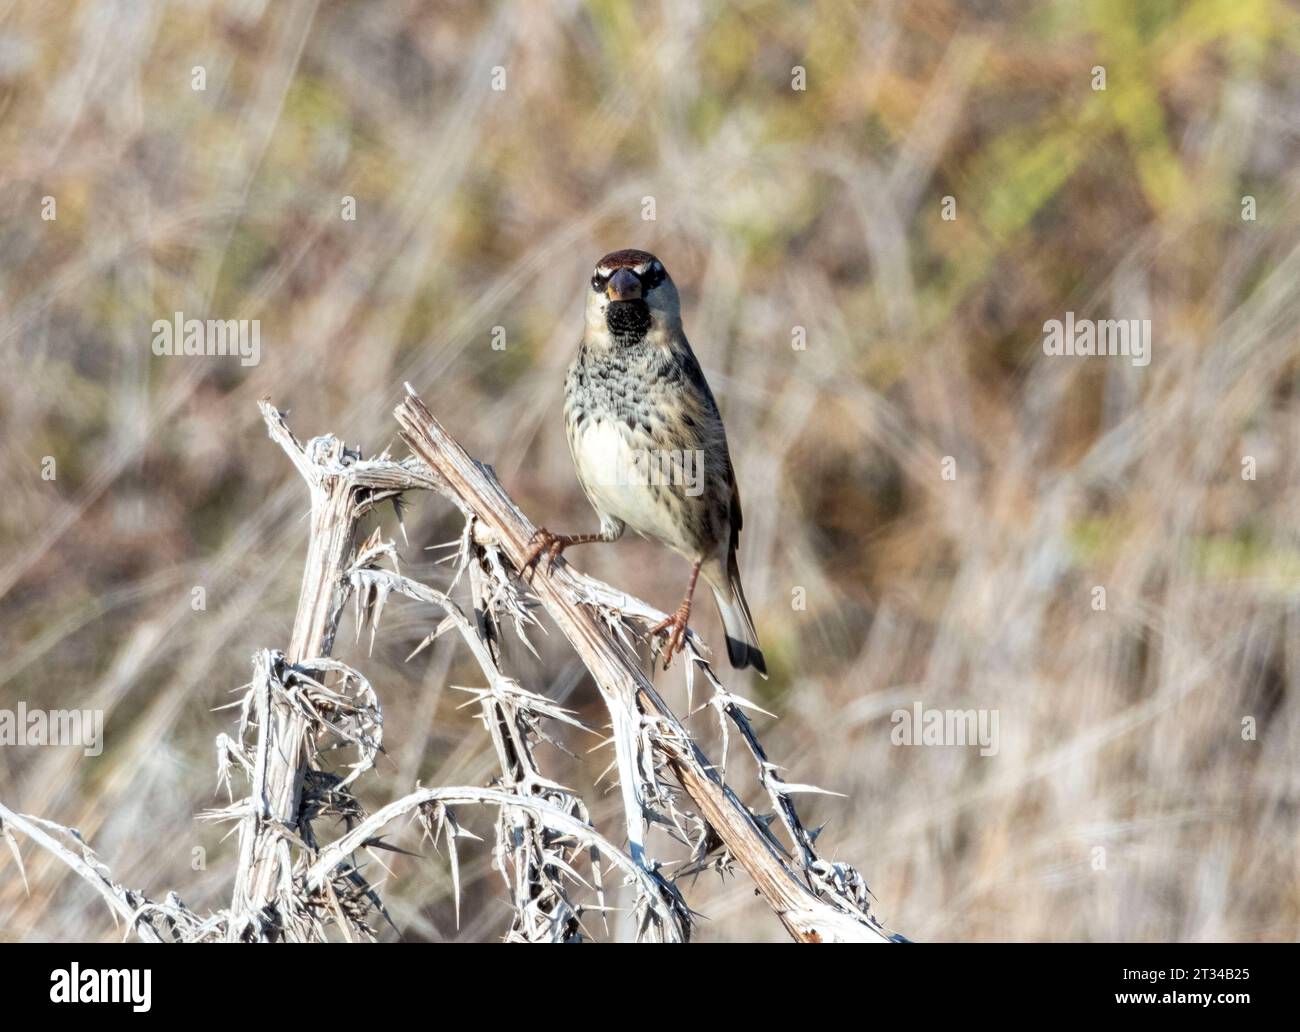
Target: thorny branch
[808,895]
[302,705]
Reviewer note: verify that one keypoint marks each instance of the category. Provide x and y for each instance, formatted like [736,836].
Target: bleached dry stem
[536,856]
[632,700]
[123,902]
[547,814]
[342,489]
[289,887]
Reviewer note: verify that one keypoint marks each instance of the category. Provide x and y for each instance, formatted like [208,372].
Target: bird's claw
[542,542]
[677,626]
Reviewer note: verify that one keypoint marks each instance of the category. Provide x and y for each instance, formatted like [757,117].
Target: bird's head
[631,295]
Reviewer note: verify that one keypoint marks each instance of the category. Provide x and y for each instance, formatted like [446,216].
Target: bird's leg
[552,545]
[679,620]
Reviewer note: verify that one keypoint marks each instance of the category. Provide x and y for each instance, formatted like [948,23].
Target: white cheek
[595,317]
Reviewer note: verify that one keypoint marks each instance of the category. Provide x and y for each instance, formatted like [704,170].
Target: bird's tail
[742,639]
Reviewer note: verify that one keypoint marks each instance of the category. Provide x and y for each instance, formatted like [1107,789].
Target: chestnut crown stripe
[624,259]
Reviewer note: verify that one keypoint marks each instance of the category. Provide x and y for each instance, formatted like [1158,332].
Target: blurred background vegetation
[1124,802]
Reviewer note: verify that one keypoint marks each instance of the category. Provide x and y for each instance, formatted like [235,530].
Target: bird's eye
[653,276]
[598,283]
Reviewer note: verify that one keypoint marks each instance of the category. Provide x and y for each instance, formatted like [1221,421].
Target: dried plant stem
[122,902]
[342,489]
[630,697]
[282,754]
[289,887]
[552,816]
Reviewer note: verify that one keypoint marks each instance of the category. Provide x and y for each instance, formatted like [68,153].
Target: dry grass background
[1120,729]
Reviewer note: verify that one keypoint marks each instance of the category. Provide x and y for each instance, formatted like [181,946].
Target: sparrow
[649,446]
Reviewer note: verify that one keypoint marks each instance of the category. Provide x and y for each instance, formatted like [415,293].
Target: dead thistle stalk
[290,887]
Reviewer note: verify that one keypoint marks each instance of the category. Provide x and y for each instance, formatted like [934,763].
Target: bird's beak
[624,285]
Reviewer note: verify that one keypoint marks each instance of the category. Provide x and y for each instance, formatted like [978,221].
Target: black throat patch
[628,321]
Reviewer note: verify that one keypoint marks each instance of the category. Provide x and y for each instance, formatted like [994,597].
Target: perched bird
[649,445]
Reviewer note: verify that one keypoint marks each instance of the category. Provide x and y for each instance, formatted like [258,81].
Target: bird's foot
[676,626]
[543,542]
